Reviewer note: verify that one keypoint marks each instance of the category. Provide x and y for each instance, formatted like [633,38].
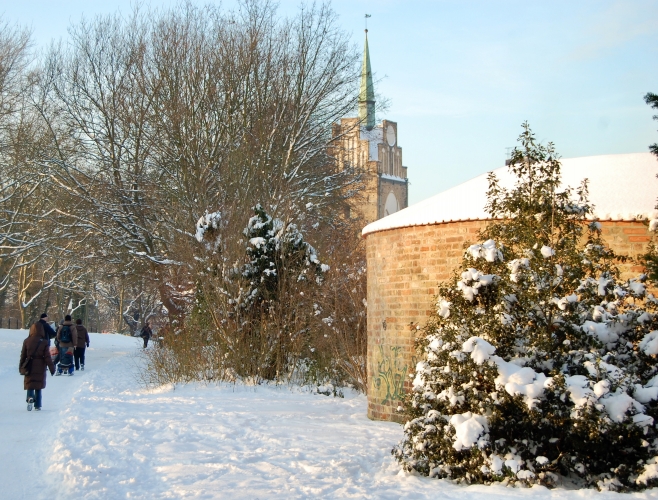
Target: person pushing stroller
[67,336]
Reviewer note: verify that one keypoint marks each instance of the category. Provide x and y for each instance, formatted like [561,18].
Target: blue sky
[463,75]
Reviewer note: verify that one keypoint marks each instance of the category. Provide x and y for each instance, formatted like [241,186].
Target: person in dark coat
[35,347]
[82,343]
[146,334]
[48,330]
[50,334]
[68,339]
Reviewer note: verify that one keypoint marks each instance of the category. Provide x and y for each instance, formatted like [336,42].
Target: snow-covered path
[102,436]
[27,439]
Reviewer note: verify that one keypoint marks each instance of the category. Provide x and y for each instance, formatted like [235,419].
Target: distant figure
[68,339]
[83,342]
[35,359]
[146,334]
[47,329]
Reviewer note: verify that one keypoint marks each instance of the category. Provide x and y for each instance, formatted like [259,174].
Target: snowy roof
[621,187]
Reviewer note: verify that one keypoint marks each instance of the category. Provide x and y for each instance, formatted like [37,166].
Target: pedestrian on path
[48,330]
[146,334]
[35,360]
[81,344]
[68,338]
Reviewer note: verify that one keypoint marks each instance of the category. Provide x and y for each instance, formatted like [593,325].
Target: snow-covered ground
[101,435]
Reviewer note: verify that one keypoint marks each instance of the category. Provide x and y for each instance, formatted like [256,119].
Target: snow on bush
[539,361]
[468,429]
[206,229]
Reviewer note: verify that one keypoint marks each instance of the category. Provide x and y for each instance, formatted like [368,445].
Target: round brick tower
[410,252]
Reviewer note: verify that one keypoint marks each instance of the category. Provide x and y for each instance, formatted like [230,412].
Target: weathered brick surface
[404,267]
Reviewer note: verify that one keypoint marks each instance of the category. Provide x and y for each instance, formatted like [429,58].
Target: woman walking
[35,359]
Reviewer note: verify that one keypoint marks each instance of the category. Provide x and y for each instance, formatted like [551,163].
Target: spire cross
[367,16]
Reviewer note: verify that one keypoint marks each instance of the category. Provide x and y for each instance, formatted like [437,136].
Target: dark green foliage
[650,258]
[652,100]
[275,248]
[536,349]
[650,261]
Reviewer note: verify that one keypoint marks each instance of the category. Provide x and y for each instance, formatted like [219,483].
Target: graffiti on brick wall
[390,374]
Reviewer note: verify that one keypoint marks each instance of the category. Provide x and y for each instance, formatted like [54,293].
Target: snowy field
[102,436]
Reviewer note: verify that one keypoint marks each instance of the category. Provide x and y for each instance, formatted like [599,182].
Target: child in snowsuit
[68,339]
[35,360]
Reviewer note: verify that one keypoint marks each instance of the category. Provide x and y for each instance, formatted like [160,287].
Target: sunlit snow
[101,435]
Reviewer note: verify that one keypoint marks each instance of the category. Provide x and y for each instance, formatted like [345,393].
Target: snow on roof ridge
[614,191]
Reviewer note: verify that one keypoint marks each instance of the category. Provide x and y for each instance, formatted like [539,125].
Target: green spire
[367,93]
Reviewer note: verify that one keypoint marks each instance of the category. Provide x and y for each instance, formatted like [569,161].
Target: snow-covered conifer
[275,247]
[539,362]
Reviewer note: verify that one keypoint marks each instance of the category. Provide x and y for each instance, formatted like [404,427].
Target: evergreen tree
[650,259]
[261,308]
[538,361]
[275,248]
[652,100]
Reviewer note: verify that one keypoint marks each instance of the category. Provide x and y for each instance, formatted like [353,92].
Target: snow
[468,429]
[650,472]
[207,222]
[515,266]
[395,178]
[649,344]
[579,392]
[602,387]
[602,331]
[525,474]
[443,308]
[496,464]
[636,287]
[257,242]
[480,349]
[513,378]
[618,404]
[621,187]
[486,250]
[476,280]
[521,380]
[102,436]
[374,137]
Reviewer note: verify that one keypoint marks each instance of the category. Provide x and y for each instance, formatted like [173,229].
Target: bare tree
[33,251]
[16,184]
[176,112]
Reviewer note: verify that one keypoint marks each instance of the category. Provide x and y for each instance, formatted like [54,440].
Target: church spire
[367,93]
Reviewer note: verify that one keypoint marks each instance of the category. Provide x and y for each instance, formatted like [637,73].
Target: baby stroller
[65,361]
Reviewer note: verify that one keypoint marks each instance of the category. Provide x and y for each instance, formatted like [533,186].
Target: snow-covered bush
[264,307]
[256,291]
[539,361]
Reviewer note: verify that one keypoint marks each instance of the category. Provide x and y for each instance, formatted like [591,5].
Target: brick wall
[404,267]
